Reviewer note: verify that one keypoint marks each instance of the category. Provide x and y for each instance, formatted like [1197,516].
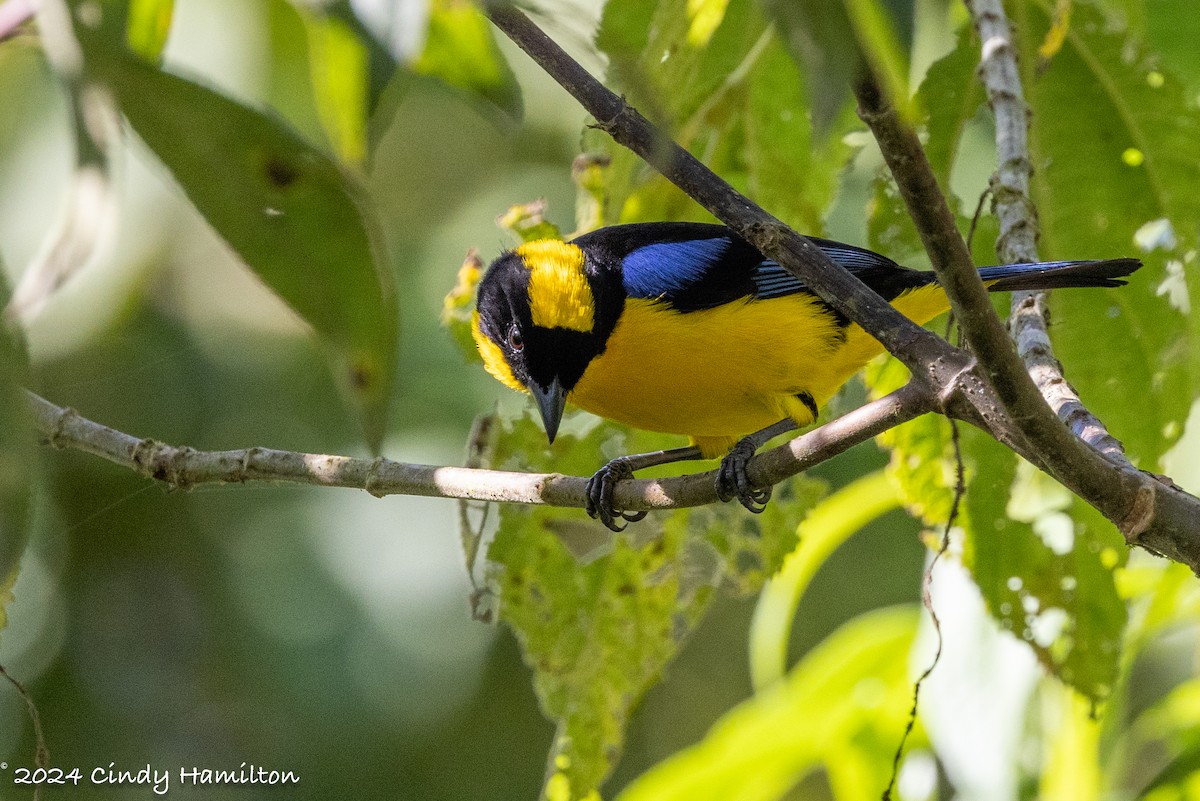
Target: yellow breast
[719,374]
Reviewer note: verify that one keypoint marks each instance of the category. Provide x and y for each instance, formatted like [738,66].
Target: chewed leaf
[1141,170]
[527,221]
[599,617]
[299,221]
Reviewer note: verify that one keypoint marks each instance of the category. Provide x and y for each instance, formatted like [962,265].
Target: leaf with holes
[599,616]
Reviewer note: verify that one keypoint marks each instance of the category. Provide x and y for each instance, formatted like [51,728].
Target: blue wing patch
[667,268]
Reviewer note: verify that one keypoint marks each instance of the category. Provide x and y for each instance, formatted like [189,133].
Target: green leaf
[340,75]
[600,616]
[1062,601]
[1094,192]
[952,95]
[301,222]
[791,172]
[1046,576]
[876,34]
[1072,767]
[460,48]
[822,42]
[842,708]
[148,27]
[828,525]
[18,454]
[922,455]
[829,40]
[689,74]
[1171,30]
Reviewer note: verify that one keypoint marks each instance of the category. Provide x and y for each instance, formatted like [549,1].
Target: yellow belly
[719,374]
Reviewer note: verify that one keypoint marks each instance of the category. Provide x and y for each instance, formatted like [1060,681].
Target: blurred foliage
[339,154]
[288,210]
[18,456]
[461,49]
[852,683]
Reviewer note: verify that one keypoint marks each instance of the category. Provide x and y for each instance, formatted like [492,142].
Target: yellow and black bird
[685,328]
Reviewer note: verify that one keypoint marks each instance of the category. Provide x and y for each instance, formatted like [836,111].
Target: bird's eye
[515,340]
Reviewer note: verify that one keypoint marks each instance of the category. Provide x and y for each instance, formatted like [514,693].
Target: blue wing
[667,269]
[694,266]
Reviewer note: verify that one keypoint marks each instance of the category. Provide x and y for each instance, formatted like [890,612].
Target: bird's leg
[731,475]
[602,486]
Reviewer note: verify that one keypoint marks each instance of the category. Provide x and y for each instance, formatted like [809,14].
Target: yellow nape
[559,295]
[493,357]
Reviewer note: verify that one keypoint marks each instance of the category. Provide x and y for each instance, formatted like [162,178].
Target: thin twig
[960,489]
[41,756]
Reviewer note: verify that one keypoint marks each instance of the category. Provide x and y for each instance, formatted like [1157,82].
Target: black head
[542,316]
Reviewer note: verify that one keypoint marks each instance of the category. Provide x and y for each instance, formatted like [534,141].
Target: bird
[686,328]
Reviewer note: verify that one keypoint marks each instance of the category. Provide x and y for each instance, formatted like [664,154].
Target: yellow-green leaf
[843,708]
[339,63]
[460,48]
[827,526]
[148,26]
[600,616]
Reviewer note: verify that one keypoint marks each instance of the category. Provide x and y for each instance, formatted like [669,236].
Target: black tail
[1058,274]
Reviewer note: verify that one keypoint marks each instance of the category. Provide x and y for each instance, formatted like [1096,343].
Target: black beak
[550,402]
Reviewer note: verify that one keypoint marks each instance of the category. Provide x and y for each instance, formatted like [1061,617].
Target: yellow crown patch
[559,295]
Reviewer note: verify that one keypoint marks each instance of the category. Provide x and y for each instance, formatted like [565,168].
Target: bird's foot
[601,489]
[732,480]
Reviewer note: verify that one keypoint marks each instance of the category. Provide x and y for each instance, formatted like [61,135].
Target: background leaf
[18,452]
[148,27]
[298,220]
[758,752]
[460,48]
[340,63]
[1092,201]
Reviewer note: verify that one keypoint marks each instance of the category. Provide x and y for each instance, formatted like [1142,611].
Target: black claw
[732,480]
[601,489]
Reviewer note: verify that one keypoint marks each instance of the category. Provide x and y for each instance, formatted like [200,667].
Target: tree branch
[1018,227]
[1062,452]
[184,467]
[1149,511]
